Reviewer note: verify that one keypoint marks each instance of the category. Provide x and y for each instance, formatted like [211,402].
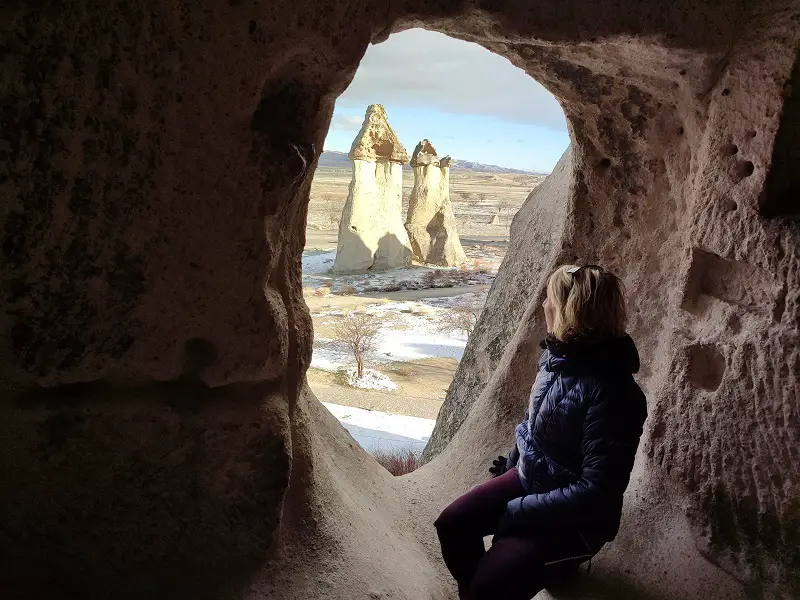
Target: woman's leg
[518,568]
[462,525]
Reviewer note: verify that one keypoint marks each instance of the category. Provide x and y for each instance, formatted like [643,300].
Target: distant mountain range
[339,160]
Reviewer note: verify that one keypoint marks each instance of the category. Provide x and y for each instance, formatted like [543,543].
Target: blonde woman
[557,497]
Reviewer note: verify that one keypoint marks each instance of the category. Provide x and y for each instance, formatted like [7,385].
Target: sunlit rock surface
[371,232]
[430,222]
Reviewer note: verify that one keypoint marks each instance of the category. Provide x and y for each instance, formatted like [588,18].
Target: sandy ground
[421,388]
[476,198]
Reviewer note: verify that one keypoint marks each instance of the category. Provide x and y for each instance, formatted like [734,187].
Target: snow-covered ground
[375,430]
[409,331]
[318,274]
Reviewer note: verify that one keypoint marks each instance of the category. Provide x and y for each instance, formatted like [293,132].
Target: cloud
[346,122]
[419,68]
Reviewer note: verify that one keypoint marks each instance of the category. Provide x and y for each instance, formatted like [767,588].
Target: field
[423,313]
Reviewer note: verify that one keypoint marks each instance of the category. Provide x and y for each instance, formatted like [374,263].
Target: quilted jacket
[576,447]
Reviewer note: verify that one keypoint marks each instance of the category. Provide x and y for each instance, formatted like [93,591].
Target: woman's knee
[446,520]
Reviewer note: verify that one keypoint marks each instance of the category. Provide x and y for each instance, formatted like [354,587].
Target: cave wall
[158,437]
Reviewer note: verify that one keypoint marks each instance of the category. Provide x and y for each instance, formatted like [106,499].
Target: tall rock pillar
[371,232]
[430,224]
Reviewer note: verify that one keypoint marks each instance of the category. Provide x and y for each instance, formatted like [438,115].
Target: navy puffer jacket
[576,446]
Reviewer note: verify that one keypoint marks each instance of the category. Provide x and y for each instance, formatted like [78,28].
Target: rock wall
[536,242]
[157,436]
[430,222]
[371,232]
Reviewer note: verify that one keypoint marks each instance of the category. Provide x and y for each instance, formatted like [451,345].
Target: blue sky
[468,102]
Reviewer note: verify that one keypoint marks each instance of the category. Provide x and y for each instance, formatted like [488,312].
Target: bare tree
[359,331]
[333,210]
[504,206]
[469,197]
[462,319]
[482,198]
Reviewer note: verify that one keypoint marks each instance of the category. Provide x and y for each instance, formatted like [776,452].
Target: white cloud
[419,68]
[346,122]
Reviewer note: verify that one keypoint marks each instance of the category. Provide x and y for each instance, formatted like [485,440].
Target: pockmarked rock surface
[371,232]
[157,435]
[430,223]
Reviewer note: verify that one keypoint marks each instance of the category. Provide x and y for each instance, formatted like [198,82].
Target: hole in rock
[730,149]
[705,367]
[403,241]
[782,190]
[730,205]
[742,169]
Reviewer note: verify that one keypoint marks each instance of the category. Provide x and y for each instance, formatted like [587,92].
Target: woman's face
[548,314]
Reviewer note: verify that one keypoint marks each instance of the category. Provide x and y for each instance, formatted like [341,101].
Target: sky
[470,103]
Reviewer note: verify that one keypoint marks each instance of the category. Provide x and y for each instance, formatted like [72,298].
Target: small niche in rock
[706,366]
[730,205]
[743,169]
[730,149]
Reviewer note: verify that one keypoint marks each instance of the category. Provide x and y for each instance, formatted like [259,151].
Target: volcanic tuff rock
[377,141]
[371,232]
[157,435]
[430,222]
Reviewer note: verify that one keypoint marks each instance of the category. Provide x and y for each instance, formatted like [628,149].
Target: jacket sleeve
[611,432]
[512,458]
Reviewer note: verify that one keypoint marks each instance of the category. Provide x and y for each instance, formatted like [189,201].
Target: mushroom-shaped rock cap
[377,140]
[424,154]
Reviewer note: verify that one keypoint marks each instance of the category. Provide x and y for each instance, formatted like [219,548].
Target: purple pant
[516,567]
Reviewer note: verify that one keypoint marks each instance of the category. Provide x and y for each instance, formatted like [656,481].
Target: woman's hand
[498,466]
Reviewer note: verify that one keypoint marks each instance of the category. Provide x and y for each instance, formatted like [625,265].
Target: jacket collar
[609,355]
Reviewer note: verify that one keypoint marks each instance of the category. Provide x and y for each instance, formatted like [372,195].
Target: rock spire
[430,224]
[371,232]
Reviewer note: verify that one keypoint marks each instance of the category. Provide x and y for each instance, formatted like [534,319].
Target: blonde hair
[588,303]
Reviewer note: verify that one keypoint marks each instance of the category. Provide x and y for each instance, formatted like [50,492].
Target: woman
[557,498]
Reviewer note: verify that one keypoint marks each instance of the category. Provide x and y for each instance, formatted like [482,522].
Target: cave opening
[454,140]
[155,172]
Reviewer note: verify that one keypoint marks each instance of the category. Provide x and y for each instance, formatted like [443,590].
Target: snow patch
[318,272]
[317,262]
[376,430]
[371,380]
[409,331]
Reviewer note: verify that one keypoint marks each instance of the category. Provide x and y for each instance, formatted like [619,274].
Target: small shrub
[346,290]
[432,276]
[462,319]
[397,461]
[322,291]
